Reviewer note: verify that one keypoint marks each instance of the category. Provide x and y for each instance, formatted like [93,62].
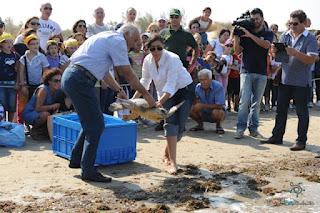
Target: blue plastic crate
[117,143]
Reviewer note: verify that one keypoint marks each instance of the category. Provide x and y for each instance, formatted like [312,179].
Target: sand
[212,166]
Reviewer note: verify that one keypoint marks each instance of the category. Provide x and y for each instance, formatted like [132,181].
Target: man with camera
[253,39]
[297,56]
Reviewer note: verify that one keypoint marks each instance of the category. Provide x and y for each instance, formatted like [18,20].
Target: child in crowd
[8,75]
[53,55]
[222,76]
[32,65]
[80,37]
[153,28]
[233,87]
[208,62]
[70,46]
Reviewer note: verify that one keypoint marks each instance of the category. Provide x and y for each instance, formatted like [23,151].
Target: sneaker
[310,105]
[238,135]
[255,134]
[274,108]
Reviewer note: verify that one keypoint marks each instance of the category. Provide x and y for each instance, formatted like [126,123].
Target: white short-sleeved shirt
[101,52]
[95,29]
[169,77]
[47,29]
[35,67]
[217,47]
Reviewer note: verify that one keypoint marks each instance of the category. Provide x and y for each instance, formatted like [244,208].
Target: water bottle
[2,112]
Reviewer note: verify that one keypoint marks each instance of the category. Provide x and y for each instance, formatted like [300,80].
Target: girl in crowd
[153,28]
[205,23]
[194,26]
[80,27]
[222,76]
[217,44]
[79,37]
[131,15]
[31,23]
[43,103]
[32,65]
[70,46]
[172,82]
[54,57]
[8,75]
[21,48]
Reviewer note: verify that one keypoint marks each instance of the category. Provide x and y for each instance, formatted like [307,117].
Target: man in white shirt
[98,26]
[47,27]
[90,63]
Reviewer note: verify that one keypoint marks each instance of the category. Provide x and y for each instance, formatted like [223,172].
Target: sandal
[196,128]
[219,130]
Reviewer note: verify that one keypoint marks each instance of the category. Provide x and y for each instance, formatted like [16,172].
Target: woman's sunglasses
[152,49]
[56,80]
[35,23]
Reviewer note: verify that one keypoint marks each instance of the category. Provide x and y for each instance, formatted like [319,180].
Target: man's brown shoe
[298,147]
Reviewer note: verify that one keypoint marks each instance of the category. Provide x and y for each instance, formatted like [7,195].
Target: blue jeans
[252,87]
[8,98]
[77,84]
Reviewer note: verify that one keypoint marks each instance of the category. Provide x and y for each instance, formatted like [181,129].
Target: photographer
[300,53]
[254,45]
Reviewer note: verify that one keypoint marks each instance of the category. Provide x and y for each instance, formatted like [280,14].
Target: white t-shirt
[47,29]
[95,29]
[217,47]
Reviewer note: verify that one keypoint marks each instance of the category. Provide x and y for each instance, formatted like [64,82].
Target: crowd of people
[42,73]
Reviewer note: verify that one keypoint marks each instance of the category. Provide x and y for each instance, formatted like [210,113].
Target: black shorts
[233,86]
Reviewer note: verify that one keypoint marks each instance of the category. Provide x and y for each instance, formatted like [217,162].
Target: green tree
[144,21]
[11,27]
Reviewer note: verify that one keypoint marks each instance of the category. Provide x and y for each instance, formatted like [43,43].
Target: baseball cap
[5,36]
[162,18]
[30,38]
[175,12]
[71,42]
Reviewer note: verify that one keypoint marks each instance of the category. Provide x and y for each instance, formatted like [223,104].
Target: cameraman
[301,52]
[254,46]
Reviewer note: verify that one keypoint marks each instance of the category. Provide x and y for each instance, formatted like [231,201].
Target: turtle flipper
[173,109]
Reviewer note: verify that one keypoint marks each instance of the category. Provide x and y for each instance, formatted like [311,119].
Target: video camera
[219,63]
[244,21]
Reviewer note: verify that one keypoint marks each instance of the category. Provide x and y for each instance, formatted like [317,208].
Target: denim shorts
[175,124]
[8,98]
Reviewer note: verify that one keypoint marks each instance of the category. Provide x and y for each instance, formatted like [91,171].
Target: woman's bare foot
[166,160]
[172,169]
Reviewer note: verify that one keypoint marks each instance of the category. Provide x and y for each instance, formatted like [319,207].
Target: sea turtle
[140,107]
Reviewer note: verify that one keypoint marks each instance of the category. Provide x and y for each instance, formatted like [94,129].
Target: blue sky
[66,12]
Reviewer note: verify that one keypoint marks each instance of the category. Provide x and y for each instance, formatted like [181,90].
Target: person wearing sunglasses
[172,82]
[302,51]
[42,104]
[80,26]
[48,27]
[254,46]
[31,23]
[179,41]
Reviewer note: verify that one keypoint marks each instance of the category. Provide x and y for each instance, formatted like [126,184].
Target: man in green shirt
[178,40]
